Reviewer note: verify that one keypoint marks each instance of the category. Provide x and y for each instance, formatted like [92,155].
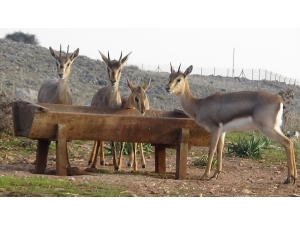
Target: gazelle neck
[113,95]
[62,89]
[187,101]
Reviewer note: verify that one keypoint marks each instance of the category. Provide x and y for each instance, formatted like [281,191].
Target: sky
[252,36]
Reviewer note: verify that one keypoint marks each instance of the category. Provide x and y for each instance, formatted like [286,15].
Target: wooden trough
[62,123]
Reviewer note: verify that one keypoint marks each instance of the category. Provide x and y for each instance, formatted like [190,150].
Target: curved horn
[60,51]
[171,67]
[108,56]
[120,57]
[179,67]
[67,50]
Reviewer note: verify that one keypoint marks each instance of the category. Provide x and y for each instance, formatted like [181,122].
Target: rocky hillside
[24,67]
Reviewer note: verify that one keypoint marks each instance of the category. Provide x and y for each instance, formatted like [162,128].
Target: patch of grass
[45,187]
[202,161]
[246,148]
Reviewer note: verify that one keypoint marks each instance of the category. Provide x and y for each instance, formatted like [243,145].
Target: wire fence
[248,73]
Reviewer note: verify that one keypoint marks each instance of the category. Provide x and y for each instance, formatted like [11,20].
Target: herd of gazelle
[217,114]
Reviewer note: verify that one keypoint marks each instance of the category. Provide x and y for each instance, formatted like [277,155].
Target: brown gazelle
[136,99]
[237,111]
[108,96]
[57,91]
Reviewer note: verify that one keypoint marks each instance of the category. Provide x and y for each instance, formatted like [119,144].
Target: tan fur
[57,91]
[108,96]
[136,99]
[237,111]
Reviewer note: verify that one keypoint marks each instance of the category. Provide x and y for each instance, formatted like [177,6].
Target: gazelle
[136,99]
[108,96]
[57,91]
[237,111]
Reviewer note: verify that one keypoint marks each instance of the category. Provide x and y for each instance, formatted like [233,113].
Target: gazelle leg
[92,157]
[95,153]
[278,136]
[120,156]
[130,162]
[67,156]
[134,145]
[113,144]
[219,156]
[211,151]
[143,161]
[102,160]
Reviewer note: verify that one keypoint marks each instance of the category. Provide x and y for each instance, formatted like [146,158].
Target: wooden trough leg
[181,155]
[160,159]
[61,147]
[41,156]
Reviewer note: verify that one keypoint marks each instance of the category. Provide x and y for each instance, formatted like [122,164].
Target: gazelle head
[138,97]
[114,67]
[64,63]
[177,80]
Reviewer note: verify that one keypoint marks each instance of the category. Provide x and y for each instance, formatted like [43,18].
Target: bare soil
[240,177]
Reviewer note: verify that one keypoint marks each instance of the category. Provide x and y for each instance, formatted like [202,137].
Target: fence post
[266,75]
[270,76]
[259,74]
[227,72]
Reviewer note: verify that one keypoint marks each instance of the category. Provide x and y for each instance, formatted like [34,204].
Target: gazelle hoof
[204,177]
[143,166]
[287,181]
[129,165]
[102,163]
[89,162]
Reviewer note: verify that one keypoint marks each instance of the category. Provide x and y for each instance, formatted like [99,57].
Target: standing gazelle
[108,96]
[237,111]
[136,99]
[57,91]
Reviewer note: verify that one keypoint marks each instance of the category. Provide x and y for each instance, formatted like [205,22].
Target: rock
[246,191]
[294,195]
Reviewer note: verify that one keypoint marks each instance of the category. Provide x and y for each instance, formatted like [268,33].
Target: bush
[21,37]
[247,148]
[202,161]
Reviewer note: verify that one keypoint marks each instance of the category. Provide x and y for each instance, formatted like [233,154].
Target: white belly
[241,124]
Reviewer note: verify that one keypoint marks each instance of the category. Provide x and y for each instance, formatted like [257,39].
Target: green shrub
[202,161]
[247,148]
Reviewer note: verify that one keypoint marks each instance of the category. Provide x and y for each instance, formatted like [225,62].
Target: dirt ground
[240,177]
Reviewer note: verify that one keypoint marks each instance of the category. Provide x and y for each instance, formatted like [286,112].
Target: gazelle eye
[68,64]
[136,99]
[178,80]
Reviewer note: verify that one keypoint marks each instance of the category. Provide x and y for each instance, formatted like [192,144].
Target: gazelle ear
[74,54]
[125,58]
[53,53]
[104,58]
[188,70]
[130,85]
[172,70]
[147,84]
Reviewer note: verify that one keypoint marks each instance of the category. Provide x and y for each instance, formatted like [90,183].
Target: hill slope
[24,67]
